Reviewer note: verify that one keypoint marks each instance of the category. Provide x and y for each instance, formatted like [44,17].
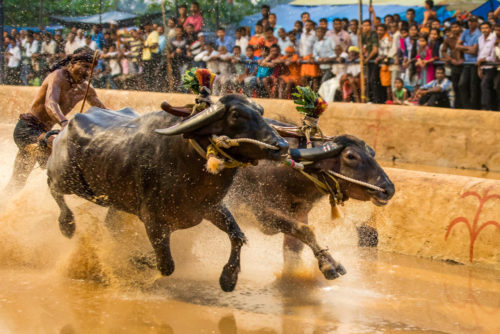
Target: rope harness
[310,128]
[218,143]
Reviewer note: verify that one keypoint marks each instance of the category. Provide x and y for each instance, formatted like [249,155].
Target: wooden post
[361,56]
[170,78]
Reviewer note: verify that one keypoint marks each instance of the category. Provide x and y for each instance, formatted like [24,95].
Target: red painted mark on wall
[377,126]
[475,228]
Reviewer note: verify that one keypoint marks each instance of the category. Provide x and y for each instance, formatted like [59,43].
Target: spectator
[135,46]
[323,23]
[273,23]
[353,61]
[257,40]
[262,72]
[399,93]
[178,55]
[324,53]
[386,55]
[60,45]
[453,57]
[108,40]
[223,79]
[304,17]
[14,61]
[182,17]
[97,37]
[171,24]
[369,41]
[270,69]
[150,56]
[291,78]
[353,32]
[469,80]
[71,44]
[435,42]
[195,19]
[224,40]
[269,38]
[241,40]
[48,54]
[88,42]
[437,93]
[298,27]
[195,49]
[26,55]
[209,56]
[497,58]
[292,37]
[264,10]
[80,38]
[410,16]
[345,24]
[238,70]
[410,56]
[283,40]
[310,72]
[396,37]
[339,36]
[486,73]
[425,66]
[250,72]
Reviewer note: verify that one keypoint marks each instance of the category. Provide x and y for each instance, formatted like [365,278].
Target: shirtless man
[61,90]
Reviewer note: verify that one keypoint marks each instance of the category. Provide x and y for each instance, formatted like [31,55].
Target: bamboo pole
[94,61]
[170,80]
[361,56]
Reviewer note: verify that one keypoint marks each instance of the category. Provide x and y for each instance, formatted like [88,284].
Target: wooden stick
[361,57]
[90,79]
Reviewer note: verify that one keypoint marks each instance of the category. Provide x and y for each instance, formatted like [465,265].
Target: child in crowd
[257,40]
[292,77]
[209,57]
[270,82]
[250,71]
[225,74]
[400,93]
[425,66]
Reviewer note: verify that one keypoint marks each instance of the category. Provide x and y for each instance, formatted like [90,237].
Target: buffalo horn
[200,120]
[325,151]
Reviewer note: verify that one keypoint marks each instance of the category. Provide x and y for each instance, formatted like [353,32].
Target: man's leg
[487,92]
[464,86]
[456,71]
[424,100]
[497,90]
[475,87]
[23,166]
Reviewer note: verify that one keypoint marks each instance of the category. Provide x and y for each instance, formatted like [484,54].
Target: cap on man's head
[473,18]
[353,48]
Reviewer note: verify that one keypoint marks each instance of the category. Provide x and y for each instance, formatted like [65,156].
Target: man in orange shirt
[286,82]
[256,41]
[269,38]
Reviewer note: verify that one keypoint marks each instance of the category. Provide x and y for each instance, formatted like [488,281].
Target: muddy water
[100,282]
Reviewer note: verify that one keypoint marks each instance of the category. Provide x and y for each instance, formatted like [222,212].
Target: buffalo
[281,197]
[124,161]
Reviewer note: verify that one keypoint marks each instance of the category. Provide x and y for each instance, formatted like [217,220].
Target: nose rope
[226,142]
[361,183]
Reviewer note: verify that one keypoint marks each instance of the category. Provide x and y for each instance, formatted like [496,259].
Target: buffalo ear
[202,119]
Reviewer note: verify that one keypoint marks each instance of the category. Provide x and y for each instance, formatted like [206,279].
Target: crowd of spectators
[448,64]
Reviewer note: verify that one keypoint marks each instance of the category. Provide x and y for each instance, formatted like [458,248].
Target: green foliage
[306,101]
[27,12]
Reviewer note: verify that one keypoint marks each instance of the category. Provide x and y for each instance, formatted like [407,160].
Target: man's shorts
[28,130]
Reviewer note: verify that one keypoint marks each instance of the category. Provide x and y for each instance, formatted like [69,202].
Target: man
[13,55]
[353,32]
[240,39]
[151,56]
[324,52]
[410,16]
[369,40]
[486,46]
[26,55]
[97,36]
[224,40]
[80,38]
[48,53]
[264,10]
[195,19]
[272,22]
[387,51]
[339,36]
[63,88]
[310,72]
[469,80]
[71,44]
[437,93]
[453,57]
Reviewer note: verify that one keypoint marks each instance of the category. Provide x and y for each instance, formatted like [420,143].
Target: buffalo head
[351,157]
[236,117]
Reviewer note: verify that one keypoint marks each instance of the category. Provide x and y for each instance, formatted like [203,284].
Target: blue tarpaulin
[483,10]
[113,16]
[288,14]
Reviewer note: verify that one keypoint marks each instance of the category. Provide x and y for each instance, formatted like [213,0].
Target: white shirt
[324,49]
[70,48]
[283,44]
[14,57]
[49,48]
[242,43]
[92,45]
[306,43]
[225,64]
[341,68]
[486,47]
[212,65]
[80,41]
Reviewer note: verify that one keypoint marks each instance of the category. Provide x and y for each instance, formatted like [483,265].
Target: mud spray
[104,280]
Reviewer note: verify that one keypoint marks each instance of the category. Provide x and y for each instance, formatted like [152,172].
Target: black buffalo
[121,160]
[281,198]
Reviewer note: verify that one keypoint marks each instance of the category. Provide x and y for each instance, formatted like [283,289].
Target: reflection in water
[98,282]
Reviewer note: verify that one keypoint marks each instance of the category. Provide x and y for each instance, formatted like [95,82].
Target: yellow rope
[215,151]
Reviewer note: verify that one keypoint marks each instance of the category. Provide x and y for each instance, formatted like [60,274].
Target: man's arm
[52,96]
[94,100]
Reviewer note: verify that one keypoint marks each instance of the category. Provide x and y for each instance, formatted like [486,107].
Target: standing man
[150,56]
[13,55]
[63,88]
[224,40]
[369,41]
[453,57]
[486,73]
[339,36]
[195,19]
[468,85]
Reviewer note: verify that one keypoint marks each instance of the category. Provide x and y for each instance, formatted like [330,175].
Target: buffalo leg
[330,268]
[224,220]
[159,236]
[66,218]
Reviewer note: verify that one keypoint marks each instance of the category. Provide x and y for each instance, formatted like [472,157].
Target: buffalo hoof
[229,278]
[329,267]
[67,224]
[166,269]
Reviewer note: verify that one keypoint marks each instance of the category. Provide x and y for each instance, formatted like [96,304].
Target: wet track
[99,283]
